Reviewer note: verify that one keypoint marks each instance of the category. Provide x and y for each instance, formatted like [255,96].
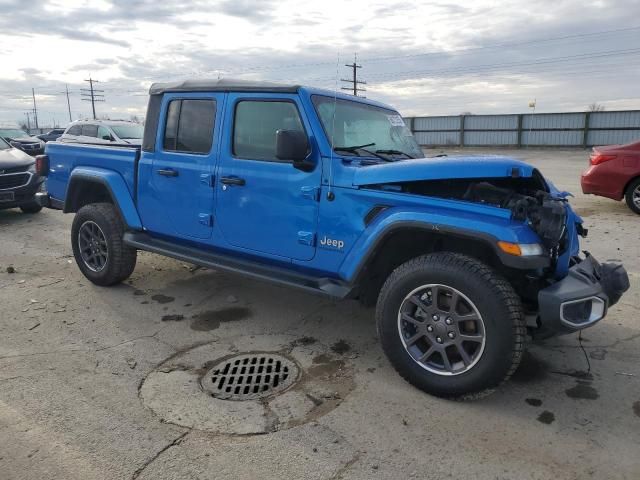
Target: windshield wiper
[395,152]
[355,148]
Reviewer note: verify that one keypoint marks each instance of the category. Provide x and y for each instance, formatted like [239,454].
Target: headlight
[521,249]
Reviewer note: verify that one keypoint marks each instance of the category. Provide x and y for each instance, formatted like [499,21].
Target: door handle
[232,181]
[168,172]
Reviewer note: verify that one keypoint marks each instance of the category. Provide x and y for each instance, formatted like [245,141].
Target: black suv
[19,182]
[22,140]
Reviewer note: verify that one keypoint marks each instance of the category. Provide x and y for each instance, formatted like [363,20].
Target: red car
[615,173]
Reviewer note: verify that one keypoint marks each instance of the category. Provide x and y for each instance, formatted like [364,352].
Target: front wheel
[31,207]
[632,196]
[100,252]
[450,325]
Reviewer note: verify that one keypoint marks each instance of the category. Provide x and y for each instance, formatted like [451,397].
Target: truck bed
[65,157]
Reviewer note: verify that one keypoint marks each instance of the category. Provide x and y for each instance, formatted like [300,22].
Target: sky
[424,58]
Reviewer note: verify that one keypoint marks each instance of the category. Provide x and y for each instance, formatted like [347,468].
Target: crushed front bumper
[582,298]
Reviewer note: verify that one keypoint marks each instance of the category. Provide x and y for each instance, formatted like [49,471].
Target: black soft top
[221,85]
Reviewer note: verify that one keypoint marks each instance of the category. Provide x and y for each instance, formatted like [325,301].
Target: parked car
[19,181]
[103,131]
[615,173]
[22,140]
[331,193]
[51,135]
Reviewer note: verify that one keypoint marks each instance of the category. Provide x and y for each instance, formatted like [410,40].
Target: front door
[264,204]
[176,179]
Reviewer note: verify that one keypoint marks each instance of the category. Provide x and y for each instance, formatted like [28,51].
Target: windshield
[127,132]
[358,124]
[13,133]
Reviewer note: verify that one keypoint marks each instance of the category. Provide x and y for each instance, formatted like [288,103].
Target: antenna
[330,194]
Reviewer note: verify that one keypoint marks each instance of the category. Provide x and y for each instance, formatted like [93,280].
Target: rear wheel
[632,196]
[96,239]
[450,325]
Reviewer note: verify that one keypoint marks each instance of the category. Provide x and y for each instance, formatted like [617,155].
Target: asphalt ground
[102,383]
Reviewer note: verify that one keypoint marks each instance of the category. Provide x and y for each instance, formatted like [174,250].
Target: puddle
[340,347]
[211,319]
[534,402]
[546,417]
[582,391]
[162,298]
[636,408]
[172,318]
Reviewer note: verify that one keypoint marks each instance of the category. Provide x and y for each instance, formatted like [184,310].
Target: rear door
[264,204]
[176,194]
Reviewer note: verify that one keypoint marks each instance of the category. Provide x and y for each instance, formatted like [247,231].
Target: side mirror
[294,145]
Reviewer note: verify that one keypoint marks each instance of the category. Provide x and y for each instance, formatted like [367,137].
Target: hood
[441,168]
[14,157]
[26,139]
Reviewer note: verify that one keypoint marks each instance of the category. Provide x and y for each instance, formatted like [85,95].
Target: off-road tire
[31,207]
[497,303]
[628,196]
[121,259]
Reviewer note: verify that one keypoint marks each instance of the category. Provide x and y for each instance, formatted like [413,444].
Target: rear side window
[89,130]
[189,126]
[75,130]
[255,126]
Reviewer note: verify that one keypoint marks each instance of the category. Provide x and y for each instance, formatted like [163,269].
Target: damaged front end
[574,291]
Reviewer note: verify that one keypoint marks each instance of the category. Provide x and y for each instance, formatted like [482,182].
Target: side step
[327,286]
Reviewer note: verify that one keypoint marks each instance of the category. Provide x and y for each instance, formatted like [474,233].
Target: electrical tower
[354,81]
[92,95]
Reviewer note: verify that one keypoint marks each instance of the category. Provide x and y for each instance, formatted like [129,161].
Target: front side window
[89,130]
[75,130]
[4,145]
[348,124]
[103,133]
[255,126]
[128,132]
[189,126]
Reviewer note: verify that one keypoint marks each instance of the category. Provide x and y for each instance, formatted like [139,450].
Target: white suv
[108,132]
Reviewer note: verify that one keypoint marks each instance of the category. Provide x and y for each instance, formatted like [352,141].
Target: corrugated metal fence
[583,129]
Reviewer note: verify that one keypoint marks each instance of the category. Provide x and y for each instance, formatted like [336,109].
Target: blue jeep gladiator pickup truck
[331,193]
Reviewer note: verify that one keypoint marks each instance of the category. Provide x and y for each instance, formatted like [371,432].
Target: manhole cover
[250,376]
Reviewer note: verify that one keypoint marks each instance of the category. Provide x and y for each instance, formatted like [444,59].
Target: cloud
[424,57]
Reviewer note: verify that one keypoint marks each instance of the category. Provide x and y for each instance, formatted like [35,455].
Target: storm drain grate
[250,376]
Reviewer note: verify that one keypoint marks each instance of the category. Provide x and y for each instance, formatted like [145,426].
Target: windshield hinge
[312,193]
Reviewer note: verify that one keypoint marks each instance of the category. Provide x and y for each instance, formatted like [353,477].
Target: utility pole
[92,95]
[35,109]
[68,103]
[354,81]
[28,121]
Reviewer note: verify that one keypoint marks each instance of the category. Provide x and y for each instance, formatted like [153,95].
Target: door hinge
[205,219]
[307,238]
[312,193]
[207,179]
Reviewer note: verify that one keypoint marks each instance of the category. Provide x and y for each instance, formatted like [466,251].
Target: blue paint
[283,216]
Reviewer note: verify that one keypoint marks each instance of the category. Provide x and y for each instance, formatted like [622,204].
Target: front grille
[12,181]
[30,146]
[22,168]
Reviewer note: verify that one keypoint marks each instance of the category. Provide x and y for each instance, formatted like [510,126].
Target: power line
[354,81]
[92,95]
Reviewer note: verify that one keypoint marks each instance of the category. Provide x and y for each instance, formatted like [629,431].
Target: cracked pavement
[73,358]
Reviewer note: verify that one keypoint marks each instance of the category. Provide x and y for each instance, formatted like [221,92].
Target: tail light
[42,165]
[598,158]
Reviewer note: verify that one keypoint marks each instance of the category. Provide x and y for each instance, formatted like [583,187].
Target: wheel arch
[86,187]
[403,241]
